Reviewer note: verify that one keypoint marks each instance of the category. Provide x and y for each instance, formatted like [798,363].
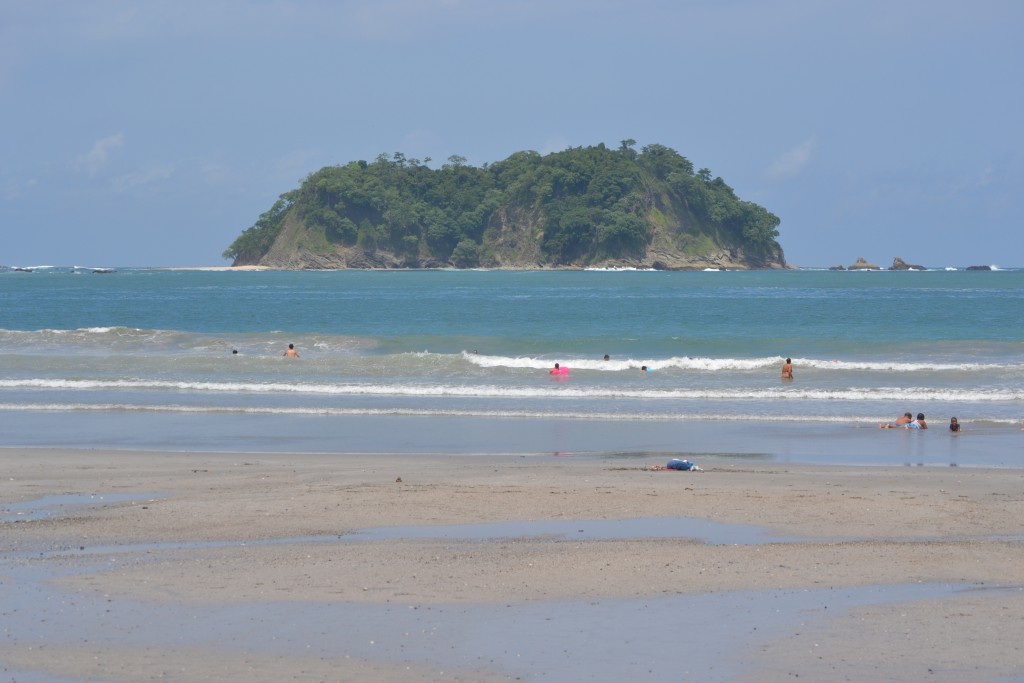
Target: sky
[153,133]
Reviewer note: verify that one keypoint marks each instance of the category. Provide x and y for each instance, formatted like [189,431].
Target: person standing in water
[787,369]
[290,352]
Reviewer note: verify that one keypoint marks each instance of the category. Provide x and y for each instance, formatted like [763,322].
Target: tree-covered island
[582,207]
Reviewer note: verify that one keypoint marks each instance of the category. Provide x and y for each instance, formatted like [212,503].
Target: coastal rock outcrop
[900,264]
[979,267]
[862,264]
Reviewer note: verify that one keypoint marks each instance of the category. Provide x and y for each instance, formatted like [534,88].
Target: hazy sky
[153,133]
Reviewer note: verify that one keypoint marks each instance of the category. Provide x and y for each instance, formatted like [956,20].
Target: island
[900,264]
[582,207]
[862,264]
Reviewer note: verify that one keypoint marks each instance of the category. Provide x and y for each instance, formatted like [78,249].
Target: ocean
[457,362]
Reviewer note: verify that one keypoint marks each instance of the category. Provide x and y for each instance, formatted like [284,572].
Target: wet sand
[197,566]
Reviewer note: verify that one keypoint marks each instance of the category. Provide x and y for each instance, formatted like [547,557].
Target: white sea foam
[680,362]
[898,366]
[725,364]
[552,390]
[648,416]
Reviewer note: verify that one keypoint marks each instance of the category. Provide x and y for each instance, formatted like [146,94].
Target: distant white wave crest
[724,364]
[894,366]
[678,362]
[546,390]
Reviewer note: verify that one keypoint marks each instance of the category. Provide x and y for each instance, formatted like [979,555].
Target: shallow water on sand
[670,637]
[645,442]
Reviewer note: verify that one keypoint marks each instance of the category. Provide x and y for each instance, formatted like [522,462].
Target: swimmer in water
[291,352]
[900,422]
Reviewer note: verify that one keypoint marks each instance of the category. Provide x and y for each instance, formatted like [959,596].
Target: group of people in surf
[905,421]
[562,370]
[908,421]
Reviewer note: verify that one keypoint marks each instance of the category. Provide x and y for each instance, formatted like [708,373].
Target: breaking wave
[784,393]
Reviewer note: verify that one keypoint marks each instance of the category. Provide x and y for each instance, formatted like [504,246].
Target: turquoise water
[457,360]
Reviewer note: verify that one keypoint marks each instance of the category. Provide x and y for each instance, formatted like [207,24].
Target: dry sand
[196,536]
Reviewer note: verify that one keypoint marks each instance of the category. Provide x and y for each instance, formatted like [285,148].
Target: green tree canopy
[593,203]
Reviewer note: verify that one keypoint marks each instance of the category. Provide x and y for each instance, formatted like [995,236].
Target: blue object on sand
[677,464]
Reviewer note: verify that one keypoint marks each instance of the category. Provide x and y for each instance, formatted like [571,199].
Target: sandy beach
[188,566]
